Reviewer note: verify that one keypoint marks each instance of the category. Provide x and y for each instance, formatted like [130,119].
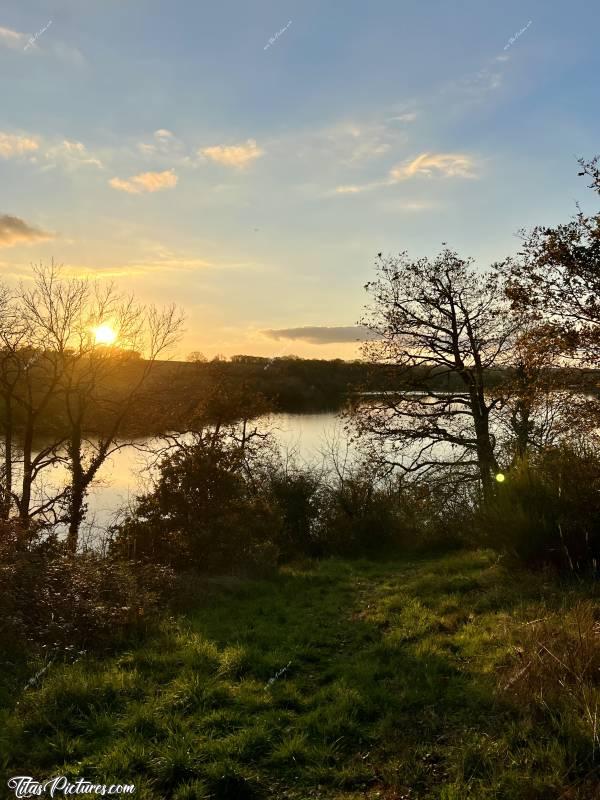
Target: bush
[548,510]
[217,509]
[203,514]
[298,496]
[60,601]
[360,519]
[364,515]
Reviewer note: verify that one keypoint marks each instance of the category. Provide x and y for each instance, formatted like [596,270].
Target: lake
[125,474]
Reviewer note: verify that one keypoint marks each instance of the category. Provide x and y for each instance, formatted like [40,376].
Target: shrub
[359,519]
[364,515]
[548,510]
[211,511]
[298,497]
[203,514]
[63,602]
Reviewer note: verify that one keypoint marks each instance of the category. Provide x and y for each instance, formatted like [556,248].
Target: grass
[335,680]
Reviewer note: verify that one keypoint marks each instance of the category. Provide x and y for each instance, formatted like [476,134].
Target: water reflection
[127,472]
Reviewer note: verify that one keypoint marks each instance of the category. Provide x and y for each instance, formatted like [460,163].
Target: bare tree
[104,386]
[71,389]
[31,366]
[444,328]
[11,336]
[217,408]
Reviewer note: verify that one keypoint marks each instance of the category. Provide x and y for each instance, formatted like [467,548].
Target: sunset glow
[104,334]
[262,219]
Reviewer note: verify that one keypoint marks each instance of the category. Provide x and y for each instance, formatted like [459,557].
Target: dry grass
[556,664]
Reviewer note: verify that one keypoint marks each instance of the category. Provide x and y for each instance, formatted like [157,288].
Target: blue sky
[248,160]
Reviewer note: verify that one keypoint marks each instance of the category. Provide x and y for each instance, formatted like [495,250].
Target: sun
[104,334]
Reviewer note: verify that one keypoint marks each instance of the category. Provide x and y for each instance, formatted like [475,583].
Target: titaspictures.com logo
[26,786]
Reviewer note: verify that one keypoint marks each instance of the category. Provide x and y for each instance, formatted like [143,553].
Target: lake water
[311,438]
[125,474]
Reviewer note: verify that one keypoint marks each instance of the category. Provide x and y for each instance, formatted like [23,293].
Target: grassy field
[335,680]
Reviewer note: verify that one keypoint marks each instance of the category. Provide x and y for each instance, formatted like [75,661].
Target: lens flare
[500,477]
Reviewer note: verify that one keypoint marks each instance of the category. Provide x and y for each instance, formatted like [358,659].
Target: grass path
[341,680]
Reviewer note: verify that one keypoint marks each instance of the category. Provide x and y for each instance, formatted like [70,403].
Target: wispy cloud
[146,182]
[447,165]
[14,230]
[395,206]
[12,39]
[322,334]
[165,264]
[444,165]
[350,143]
[15,145]
[71,154]
[31,43]
[64,52]
[369,150]
[350,189]
[479,85]
[158,257]
[237,155]
[67,153]
[458,95]
[163,142]
[409,116]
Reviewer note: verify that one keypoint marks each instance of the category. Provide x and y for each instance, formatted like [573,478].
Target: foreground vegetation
[336,679]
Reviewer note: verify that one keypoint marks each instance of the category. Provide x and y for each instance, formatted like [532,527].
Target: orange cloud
[14,145]
[238,155]
[11,38]
[449,165]
[146,182]
[446,165]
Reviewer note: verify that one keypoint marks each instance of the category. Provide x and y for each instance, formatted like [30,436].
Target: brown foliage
[60,601]
[556,664]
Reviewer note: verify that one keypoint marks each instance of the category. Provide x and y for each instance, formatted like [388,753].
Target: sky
[248,160]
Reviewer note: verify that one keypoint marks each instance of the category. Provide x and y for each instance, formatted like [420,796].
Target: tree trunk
[485,451]
[77,491]
[76,514]
[521,424]
[8,459]
[25,501]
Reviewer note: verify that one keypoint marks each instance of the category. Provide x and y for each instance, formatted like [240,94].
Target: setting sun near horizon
[104,334]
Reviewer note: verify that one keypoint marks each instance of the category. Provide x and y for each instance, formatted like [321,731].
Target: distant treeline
[176,390]
[297,385]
